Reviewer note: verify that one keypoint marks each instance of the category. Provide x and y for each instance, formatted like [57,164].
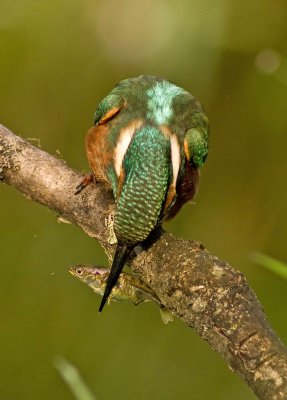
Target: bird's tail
[119,260]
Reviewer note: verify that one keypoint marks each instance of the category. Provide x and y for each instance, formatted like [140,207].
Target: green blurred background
[58,59]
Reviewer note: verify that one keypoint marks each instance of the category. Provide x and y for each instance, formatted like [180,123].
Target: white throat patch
[123,143]
[175,158]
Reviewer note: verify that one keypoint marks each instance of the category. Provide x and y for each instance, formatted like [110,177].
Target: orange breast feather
[99,153]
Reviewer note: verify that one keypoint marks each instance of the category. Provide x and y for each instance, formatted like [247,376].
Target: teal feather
[147,169]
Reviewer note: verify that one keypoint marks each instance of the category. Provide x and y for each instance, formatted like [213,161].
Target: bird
[148,142]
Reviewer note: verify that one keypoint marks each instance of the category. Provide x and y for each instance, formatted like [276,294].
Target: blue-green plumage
[147,172]
[149,139]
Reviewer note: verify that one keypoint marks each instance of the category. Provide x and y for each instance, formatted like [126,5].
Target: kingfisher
[148,142]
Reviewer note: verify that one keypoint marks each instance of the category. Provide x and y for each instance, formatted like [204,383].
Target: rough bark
[208,294]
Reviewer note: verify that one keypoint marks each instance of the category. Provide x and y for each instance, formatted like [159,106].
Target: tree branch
[205,292]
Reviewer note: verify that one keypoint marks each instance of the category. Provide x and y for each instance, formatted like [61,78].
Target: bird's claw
[89,178]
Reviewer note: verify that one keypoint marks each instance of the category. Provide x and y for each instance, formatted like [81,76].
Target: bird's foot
[89,178]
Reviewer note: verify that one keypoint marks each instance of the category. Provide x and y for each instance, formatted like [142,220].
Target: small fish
[128,287]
